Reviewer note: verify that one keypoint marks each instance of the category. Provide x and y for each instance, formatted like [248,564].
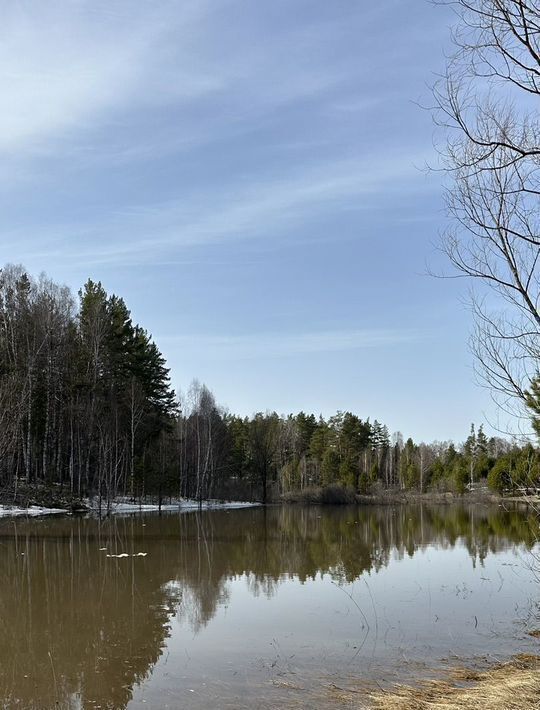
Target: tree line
[87,409]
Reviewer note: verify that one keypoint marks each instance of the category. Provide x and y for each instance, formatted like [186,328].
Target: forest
[87,409]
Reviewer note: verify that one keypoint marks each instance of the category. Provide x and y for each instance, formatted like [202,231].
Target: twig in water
[354,602]
[54,677]
[363,616]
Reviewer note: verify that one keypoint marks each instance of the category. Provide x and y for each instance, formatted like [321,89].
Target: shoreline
[340,496]
[514,685]
[45,504]
[120,508]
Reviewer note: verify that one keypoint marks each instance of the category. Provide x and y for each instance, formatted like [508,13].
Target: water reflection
[80,629]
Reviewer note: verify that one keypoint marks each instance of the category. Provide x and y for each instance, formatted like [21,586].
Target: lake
[258,607]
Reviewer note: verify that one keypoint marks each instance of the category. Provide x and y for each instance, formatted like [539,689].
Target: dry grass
[512,686]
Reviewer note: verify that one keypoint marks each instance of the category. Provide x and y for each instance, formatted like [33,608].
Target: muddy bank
[32,495]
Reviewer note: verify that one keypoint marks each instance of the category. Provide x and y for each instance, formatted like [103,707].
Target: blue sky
[249,177]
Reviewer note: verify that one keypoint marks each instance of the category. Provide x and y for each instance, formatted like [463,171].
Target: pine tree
[532,398]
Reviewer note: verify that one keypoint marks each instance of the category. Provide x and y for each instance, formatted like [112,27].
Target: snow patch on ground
[125,554]
[33,511]
[123,506]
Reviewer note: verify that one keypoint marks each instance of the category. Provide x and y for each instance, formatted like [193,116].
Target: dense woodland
[87,409]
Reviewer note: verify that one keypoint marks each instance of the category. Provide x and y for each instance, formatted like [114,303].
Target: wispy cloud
[277,345]
[68,70]
[109,83]
[67,67]
[267,208]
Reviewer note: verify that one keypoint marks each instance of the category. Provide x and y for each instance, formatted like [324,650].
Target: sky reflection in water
[256,607]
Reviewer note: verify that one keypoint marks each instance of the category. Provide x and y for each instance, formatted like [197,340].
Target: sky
[250,177]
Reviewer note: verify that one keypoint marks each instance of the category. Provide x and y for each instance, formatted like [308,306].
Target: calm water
[256,607]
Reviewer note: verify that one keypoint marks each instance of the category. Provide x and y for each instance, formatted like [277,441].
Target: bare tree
[486,101]
[203,436]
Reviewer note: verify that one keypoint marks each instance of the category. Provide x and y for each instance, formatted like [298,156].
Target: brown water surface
[256,607]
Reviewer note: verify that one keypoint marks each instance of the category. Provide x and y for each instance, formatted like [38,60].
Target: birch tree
[487,103]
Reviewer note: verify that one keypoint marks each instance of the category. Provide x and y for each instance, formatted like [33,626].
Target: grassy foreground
[511,686]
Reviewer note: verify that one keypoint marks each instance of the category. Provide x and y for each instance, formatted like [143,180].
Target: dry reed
[511,686]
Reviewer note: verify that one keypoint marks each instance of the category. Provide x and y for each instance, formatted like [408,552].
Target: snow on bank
[125,554]
[32,512]
[122,506]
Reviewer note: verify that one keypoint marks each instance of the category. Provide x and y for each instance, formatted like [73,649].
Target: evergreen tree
[532,399]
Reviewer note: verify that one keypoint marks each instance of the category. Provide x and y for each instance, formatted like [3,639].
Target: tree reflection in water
[79,628]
